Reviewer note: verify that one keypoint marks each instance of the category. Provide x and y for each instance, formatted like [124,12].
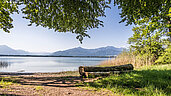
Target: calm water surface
[45,64]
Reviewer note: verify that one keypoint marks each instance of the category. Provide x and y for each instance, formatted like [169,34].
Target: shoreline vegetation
[147,79]
[127,57]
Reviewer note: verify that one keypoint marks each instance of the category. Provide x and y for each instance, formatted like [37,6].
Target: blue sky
[39,39]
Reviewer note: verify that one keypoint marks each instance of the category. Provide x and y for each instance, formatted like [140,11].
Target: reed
[127,57]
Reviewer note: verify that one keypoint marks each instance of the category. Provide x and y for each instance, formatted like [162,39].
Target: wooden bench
[85,71]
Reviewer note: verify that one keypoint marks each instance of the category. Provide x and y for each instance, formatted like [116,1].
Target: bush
[166,57]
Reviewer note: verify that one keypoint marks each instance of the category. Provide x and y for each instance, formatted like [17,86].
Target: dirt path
[48,84]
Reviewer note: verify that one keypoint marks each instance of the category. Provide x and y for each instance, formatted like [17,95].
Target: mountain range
[5,50]
[79,51]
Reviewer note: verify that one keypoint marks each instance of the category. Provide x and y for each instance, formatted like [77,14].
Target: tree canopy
[6,9]
[133,10]
[78,16]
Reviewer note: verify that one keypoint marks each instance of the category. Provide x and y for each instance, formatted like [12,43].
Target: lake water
[45,64]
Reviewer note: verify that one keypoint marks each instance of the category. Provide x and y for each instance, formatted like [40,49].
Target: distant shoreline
[56,56]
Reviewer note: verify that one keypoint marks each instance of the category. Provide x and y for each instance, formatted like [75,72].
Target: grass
[148,81]
[37,88]
[4,84]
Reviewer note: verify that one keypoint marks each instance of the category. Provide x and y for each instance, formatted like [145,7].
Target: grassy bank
[148,81]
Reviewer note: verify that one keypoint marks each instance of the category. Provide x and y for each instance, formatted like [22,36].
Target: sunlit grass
[148,81]
[4,83]
[37,88]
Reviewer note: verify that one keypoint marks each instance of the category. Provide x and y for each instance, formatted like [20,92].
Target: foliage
[6,9]
[77,16]
[152,30]
[156,12]
[133,10]
[150,35]
[147,81]
[4,84]
[37,88]
[166,57]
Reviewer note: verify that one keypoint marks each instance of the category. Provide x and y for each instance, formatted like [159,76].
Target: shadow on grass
[144,82]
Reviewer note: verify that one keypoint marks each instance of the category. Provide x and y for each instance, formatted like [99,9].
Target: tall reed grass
[127,57]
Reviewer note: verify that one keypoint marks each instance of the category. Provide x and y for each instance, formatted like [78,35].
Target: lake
[45,64]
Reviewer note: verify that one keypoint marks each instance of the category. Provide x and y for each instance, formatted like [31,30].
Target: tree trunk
[83,69]
[169,22]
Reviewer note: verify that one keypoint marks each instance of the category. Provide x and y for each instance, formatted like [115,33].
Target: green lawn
[147,81]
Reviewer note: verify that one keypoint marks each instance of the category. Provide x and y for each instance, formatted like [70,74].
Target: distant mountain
[103,51]
[5,50]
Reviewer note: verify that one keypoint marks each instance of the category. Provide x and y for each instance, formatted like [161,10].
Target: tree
[165,58]
[148,39]
[153,20]
[77,16]
[134,10]
[7,8]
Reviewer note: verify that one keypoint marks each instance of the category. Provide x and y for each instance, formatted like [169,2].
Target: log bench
[85,71]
